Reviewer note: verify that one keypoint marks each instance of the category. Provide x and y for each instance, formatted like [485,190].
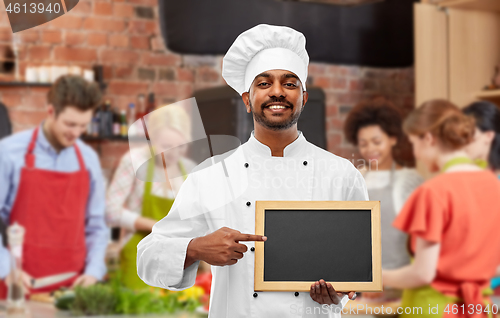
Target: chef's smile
[277,108]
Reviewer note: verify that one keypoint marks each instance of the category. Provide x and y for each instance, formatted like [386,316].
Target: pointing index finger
[250,237]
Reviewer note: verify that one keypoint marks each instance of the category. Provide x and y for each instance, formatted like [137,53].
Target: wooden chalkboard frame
[374,206]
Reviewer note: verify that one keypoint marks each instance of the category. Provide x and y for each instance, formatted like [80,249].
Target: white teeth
[277,107]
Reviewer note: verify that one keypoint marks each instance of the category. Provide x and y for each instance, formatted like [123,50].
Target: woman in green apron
[155,208]
[451,220]
[136,205]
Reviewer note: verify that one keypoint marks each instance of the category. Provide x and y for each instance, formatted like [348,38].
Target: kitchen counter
[47,310]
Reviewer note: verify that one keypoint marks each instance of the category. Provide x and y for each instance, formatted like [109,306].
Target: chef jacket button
[296,294]
[255,295]
[252,248]
[246,164]
[248,203]
[305,163]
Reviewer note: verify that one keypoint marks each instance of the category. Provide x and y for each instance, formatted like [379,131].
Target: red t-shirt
[461,211]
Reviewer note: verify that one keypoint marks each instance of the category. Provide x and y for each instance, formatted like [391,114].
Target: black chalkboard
[318,244]
[338,241]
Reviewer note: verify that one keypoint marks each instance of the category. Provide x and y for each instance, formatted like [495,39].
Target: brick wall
[124,37]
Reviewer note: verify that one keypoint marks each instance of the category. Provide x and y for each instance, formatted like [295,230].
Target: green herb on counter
[112,298]
[94,300]
[139,302]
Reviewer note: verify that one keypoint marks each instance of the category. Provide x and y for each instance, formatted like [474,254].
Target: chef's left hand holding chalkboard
[324,293]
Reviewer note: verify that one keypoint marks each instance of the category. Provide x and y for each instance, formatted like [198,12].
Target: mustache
[276,100]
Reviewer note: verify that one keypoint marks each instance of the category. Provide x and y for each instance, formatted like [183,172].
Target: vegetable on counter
[204,280]
[94,300]
[64,299]
[112,298]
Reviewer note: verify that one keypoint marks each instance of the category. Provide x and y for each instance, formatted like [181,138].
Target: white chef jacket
[305,172]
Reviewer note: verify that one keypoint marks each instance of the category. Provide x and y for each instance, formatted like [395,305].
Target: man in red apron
[51,184]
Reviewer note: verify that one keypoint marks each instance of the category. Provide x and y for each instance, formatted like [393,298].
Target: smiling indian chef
[267,65]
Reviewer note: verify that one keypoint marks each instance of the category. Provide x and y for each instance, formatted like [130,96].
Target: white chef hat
[263,48]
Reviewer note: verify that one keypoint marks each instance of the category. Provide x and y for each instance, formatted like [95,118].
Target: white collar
[293,149]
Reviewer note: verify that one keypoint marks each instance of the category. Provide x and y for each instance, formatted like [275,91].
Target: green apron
[153,207]
[427,297]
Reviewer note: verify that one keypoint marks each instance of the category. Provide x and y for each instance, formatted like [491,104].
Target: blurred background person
[375,127]
[452,219]
[485,147]
[52,185]
[135,205]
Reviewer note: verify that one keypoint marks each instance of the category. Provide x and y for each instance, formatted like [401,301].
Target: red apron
[51,206]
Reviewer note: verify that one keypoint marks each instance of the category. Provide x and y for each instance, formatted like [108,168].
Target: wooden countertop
[47,310]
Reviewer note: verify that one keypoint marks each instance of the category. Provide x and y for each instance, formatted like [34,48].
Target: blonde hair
[170,116]
[443,120]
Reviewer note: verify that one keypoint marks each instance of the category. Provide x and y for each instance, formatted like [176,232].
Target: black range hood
[378,34]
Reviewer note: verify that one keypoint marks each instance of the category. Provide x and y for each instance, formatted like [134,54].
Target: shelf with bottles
[90,138]
[491,92]
[110,123]
[48,74]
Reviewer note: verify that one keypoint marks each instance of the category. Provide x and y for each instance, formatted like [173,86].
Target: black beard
[264,121]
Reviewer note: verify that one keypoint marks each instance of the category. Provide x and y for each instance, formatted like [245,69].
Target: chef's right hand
[220,248]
